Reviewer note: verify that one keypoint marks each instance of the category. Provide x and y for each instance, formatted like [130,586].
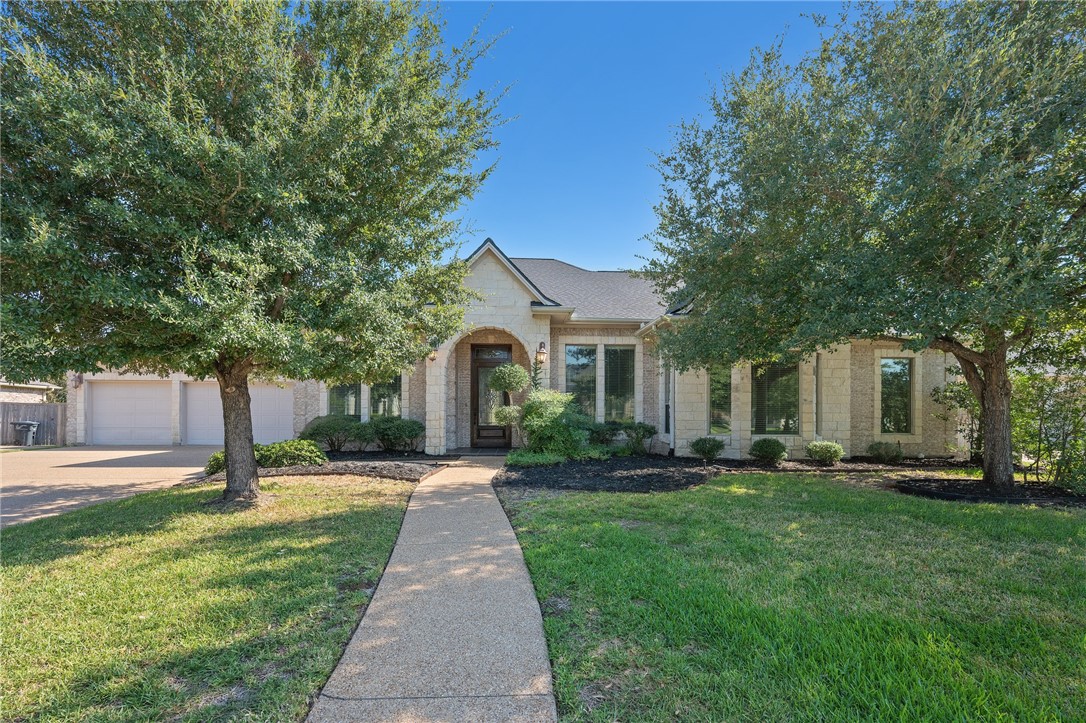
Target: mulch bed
[618,474]
[959,490]
[406,471]
[667,474]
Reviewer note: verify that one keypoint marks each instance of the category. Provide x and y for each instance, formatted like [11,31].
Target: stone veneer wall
[842,382]
[932,437]
[416,397]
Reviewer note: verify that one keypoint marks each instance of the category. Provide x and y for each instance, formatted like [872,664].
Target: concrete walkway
[453,632]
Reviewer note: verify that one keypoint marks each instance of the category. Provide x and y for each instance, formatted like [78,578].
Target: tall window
[720,399]
[345,399]
[581,376]
[618,383]
[775,399]
[385,398]
[897,396]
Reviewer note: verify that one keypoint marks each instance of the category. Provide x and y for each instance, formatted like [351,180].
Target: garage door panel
[272,410]
[130,413]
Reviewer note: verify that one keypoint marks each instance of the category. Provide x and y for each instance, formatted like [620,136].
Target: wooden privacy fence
[51,419]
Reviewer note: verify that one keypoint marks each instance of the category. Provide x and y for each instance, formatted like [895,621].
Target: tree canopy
[226,189]
[921,176]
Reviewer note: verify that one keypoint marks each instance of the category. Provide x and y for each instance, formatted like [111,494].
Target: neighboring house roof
[33,384]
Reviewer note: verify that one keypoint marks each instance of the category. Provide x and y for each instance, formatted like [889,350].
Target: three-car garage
[153,412]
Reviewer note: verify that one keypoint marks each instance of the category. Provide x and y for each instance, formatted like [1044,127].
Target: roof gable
[489,247]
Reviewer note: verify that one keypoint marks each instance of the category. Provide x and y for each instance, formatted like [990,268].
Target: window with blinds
[720,400]
[581,376]
[775,399]
[385,398]
[897,396]
[345,399]
[618,383]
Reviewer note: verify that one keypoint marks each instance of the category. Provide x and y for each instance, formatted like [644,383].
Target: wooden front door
[485,431]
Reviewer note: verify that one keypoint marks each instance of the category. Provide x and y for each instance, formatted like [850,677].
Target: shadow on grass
[256,637]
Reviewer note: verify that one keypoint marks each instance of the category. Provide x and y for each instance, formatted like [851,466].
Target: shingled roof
[593,294]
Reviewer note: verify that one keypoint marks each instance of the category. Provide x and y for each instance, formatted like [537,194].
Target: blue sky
[596,89]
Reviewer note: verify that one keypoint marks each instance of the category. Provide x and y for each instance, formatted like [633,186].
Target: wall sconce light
[541,354]
[432,356]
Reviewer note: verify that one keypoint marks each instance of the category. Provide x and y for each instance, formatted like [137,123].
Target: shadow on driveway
[42,482]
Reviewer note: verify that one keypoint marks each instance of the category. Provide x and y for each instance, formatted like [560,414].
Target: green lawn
[784,597]
[162,607]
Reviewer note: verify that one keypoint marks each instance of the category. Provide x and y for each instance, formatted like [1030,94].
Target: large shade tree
[919,177]
[233,190]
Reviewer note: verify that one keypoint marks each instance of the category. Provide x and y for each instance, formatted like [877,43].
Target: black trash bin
[29,429]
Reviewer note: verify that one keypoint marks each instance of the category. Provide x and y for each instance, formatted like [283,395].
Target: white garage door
[273,413]
[130,413]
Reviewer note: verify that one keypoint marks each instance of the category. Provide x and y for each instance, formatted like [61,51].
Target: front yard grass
[162,607]
[791,597]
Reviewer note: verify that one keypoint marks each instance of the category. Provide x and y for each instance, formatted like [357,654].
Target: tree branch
[960,351]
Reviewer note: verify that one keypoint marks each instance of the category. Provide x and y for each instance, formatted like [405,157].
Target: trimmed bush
[510,378]
[769,451]
[885,452]
[289,453]
[551,422]
[278,454]
[397,435]
[637,436]
[708,448]
[334,431]
[524,458]
[827,453]
[603,432]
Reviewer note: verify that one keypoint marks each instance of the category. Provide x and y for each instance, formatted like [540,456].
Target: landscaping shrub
[828,453]
[637,435]
[603,432]
[885,452]
[397,435]
[510,378]
[595,452]
[525,458]
[551,422]
[333,431]
[708,448]
[768,450]
[278,454]
[289,453]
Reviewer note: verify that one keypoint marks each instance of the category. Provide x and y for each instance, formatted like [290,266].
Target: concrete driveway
[42,482]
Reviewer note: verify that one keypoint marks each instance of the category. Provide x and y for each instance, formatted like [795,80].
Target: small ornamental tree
[919,178]
[233,190]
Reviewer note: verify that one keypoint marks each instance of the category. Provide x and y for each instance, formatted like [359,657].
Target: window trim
[915,387]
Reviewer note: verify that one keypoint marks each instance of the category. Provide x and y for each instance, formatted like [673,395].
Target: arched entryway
[470,414]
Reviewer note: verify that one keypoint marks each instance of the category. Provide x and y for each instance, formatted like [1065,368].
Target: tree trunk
[242,480]
[990,382]
[996,420]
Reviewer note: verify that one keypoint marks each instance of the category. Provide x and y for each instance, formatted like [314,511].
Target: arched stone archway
[458,379]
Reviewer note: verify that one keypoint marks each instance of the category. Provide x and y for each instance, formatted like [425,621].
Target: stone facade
[506,307]
[839,396]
